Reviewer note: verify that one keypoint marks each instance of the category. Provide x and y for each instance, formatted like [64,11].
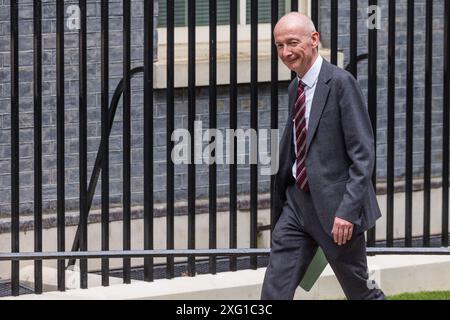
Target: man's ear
[315,37]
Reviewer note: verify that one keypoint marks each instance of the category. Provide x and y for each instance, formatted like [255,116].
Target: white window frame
[223,37]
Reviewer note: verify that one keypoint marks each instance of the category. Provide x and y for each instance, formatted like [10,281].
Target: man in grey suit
[323,194]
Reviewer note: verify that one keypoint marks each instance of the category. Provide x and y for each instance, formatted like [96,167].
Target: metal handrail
[359,58]
[197,253]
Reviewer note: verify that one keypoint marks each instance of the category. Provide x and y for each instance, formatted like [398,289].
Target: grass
[432,295]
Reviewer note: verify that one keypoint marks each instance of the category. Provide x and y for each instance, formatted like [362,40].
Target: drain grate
[435,242]
[202,267]
[5,289]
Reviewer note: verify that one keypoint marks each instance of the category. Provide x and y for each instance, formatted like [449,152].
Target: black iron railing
[86,191]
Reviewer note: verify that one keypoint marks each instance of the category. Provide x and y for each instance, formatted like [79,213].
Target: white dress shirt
[310,81]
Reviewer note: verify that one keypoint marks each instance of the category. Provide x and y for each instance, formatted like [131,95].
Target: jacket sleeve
[359,143]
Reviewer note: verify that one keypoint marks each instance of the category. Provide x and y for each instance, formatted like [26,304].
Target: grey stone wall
[115,69]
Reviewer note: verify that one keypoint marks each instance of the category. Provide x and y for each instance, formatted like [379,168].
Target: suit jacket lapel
[318,103]
[292,94]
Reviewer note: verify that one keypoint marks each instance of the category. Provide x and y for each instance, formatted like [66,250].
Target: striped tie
[300,137]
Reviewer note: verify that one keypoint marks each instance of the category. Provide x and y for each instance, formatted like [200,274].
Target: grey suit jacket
[339,153]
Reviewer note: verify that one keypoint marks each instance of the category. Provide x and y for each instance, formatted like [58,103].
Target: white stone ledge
[223,65]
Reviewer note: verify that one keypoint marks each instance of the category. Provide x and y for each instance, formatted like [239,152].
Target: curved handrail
[358,59]
[98,161]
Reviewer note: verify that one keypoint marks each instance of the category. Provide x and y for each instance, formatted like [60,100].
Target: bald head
[296,21]
[297,42]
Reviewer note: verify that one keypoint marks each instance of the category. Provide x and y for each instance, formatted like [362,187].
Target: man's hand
[342,231]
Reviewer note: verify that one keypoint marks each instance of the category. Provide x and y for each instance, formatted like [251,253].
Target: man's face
[295,47]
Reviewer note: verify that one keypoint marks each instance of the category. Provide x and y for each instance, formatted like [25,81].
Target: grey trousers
[295,239]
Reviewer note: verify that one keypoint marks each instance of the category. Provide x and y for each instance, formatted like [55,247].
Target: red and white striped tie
[300,137]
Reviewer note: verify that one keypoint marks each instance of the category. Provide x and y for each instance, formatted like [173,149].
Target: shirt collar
[311,76]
